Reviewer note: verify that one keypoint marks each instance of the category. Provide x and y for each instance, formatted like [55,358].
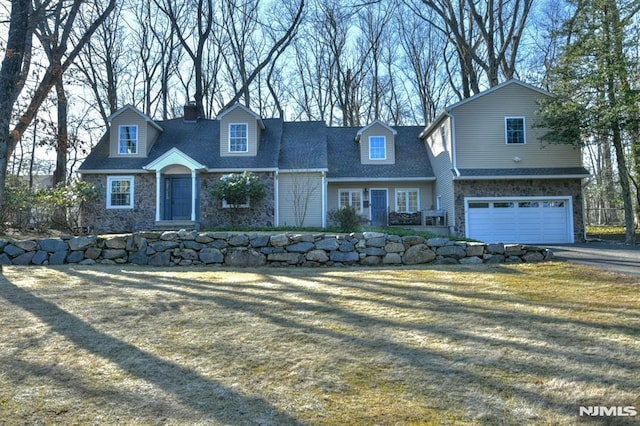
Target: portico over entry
[177,189]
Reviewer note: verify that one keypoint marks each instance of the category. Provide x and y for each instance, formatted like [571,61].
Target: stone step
[176,225]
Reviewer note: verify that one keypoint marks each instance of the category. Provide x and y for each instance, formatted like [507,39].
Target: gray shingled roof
[200,141]
[304,146]
[412,158]
[291,145]
[530,171]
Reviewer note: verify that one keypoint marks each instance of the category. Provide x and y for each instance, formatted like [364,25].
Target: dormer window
[515,130]
[238,137]
[377,148]
[128,140]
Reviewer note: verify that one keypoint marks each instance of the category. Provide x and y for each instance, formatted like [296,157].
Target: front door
[378,207]
[178,198]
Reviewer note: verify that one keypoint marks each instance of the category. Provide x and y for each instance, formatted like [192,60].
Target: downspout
[454,155]
[276,197]
[324,199]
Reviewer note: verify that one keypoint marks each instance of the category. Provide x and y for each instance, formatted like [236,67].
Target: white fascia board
[303,170]
[498,87]
[520,177]
[236,170]
[364,179]
[373,123]
[111,171]
[174,157]
[434,124]
[137,111]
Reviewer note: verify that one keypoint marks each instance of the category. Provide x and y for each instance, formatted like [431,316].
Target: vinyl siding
[442,163]
[426,196]
[304,187]
[480,133]
[377,130]
[239,116]
[146,134]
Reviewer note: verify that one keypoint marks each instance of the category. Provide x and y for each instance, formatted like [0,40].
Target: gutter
[365,179]
[519,177]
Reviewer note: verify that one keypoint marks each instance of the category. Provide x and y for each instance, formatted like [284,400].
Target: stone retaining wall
[172,248]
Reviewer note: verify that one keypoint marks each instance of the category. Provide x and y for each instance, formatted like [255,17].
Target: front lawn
[509,344]
[609,233]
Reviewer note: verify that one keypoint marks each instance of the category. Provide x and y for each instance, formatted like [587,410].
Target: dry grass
[517,344]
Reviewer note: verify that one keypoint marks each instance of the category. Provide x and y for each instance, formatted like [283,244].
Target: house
[479,170]
[494,176]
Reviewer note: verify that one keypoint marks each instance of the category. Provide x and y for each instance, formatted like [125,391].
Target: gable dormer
[240,131]
[377,143]
[132,133]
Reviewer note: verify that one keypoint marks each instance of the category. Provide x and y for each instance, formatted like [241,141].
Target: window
[407,200]
[238,140]
[377,148]
[120,192]
[503,205]
[128,140]
[514,130]
[350,198]
[478,205]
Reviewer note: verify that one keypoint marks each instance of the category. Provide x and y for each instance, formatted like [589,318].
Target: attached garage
[530,220]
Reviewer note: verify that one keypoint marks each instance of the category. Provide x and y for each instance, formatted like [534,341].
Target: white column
[193,195]
[158,193]
[324,199]
[276,198]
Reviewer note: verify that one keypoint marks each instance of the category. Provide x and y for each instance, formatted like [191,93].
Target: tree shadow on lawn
[203,395]
[555,347]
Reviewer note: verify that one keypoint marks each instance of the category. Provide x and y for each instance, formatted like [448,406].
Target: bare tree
[277,48]
[485,34]
[313,76]
[425,67]
[71,38]
[15,66]
[193,22]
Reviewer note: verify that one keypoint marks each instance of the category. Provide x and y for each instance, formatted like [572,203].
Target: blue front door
[178,198]
[378,207]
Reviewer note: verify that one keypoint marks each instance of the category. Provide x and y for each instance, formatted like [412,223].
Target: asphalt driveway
[605,255]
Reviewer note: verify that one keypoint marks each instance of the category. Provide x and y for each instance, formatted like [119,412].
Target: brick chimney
[191,112]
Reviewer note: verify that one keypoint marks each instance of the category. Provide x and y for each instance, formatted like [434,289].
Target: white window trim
[407,190]
[384,139]
[137,139]
[524,130]
[350,191]
[131,180]
[246,125]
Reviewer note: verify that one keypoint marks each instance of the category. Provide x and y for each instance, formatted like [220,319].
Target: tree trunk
[10,74]
[62,143]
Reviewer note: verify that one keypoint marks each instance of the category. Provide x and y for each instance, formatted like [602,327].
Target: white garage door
[530,220]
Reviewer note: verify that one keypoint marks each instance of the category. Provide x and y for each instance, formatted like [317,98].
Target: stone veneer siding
[99,218]
[259,214]
[520,188]
[142,217]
